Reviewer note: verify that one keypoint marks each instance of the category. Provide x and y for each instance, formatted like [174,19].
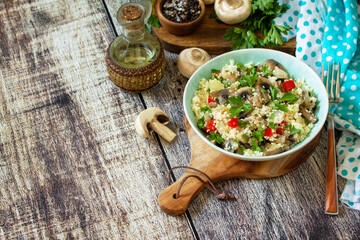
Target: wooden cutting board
[209,36]
[221,167]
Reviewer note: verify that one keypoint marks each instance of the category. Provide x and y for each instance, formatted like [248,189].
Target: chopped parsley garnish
[272,116]
[307,121]
[237,106]
[266,71]
[255,146]
[282,107]
[215,136]
[206,109]
[280,103]
[273,92]
[292,129]
[289,98]
[272,125]
[242,124]
[245,136]
[201,123]
[215,71]
[258,134]
[250,78]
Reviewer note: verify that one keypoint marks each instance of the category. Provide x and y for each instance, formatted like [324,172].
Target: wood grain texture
[286,207]
[208,36]
[219,167]
[71,165]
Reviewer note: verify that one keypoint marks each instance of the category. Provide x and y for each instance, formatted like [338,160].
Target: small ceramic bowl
[178,28]
[294,66]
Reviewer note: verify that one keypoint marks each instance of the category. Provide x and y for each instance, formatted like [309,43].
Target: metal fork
[331,203]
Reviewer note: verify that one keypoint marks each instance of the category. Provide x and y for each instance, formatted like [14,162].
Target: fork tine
[332,82]
[337,88]
[327,78]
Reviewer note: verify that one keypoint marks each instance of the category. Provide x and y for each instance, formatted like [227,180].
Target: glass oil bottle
[135,60]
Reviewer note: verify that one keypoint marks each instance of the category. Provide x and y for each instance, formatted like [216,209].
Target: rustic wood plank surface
[72,167]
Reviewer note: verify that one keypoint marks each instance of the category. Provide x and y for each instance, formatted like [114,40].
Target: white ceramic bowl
[294,66]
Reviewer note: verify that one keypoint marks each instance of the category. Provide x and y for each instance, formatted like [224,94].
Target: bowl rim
[306,141]
[160,15]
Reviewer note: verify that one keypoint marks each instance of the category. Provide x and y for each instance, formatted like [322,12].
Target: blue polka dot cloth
[327,31]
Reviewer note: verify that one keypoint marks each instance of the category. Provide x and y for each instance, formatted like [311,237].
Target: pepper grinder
[135,60]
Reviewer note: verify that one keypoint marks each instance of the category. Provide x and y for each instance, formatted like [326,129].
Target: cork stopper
[132,13]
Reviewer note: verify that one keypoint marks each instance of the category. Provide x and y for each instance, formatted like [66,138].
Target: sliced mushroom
[276,151]
[294,138]
[308,103]
[262,83]
[271,63]
[232,11]
[308,115]
[223,95]
[245,92]
[281,139]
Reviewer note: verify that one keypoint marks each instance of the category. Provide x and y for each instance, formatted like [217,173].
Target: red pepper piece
[279,130]
[210,99]
[233,122]
[269,132]
[288,85]
[210,126]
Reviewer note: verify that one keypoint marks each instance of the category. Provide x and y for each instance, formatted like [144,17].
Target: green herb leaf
[266,71]
[214,15]
[215,70]
[242,124]
[272,116]
[255,146]
[289,97]
[154,21]
[273,92]
[258,134]
[272,125]
[245,136]
[216,136]
[201,123]
[206,109]
[282,107]
[292,129]
[237,106]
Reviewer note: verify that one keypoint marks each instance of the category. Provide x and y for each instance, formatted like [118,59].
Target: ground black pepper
[181,11]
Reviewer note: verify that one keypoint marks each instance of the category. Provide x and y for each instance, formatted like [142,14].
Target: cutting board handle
[218,167]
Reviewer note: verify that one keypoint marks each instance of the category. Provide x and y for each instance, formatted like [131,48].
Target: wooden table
[72,167]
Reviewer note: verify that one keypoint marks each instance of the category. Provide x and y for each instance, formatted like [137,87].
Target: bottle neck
[134,34]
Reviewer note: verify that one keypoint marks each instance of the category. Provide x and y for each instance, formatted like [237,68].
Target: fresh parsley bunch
[260,20]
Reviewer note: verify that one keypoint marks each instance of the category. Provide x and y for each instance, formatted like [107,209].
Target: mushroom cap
[190,59]
[271,63]
[232,11]
[146,117]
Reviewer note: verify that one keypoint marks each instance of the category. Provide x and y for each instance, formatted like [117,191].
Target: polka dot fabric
[306,19]
[341,44]
[329,31]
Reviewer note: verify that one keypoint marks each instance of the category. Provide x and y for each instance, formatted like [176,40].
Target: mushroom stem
[163,131]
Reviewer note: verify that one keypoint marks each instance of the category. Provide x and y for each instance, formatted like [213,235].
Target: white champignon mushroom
[191,59]
[154,119]
[208,2]
[233,11]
